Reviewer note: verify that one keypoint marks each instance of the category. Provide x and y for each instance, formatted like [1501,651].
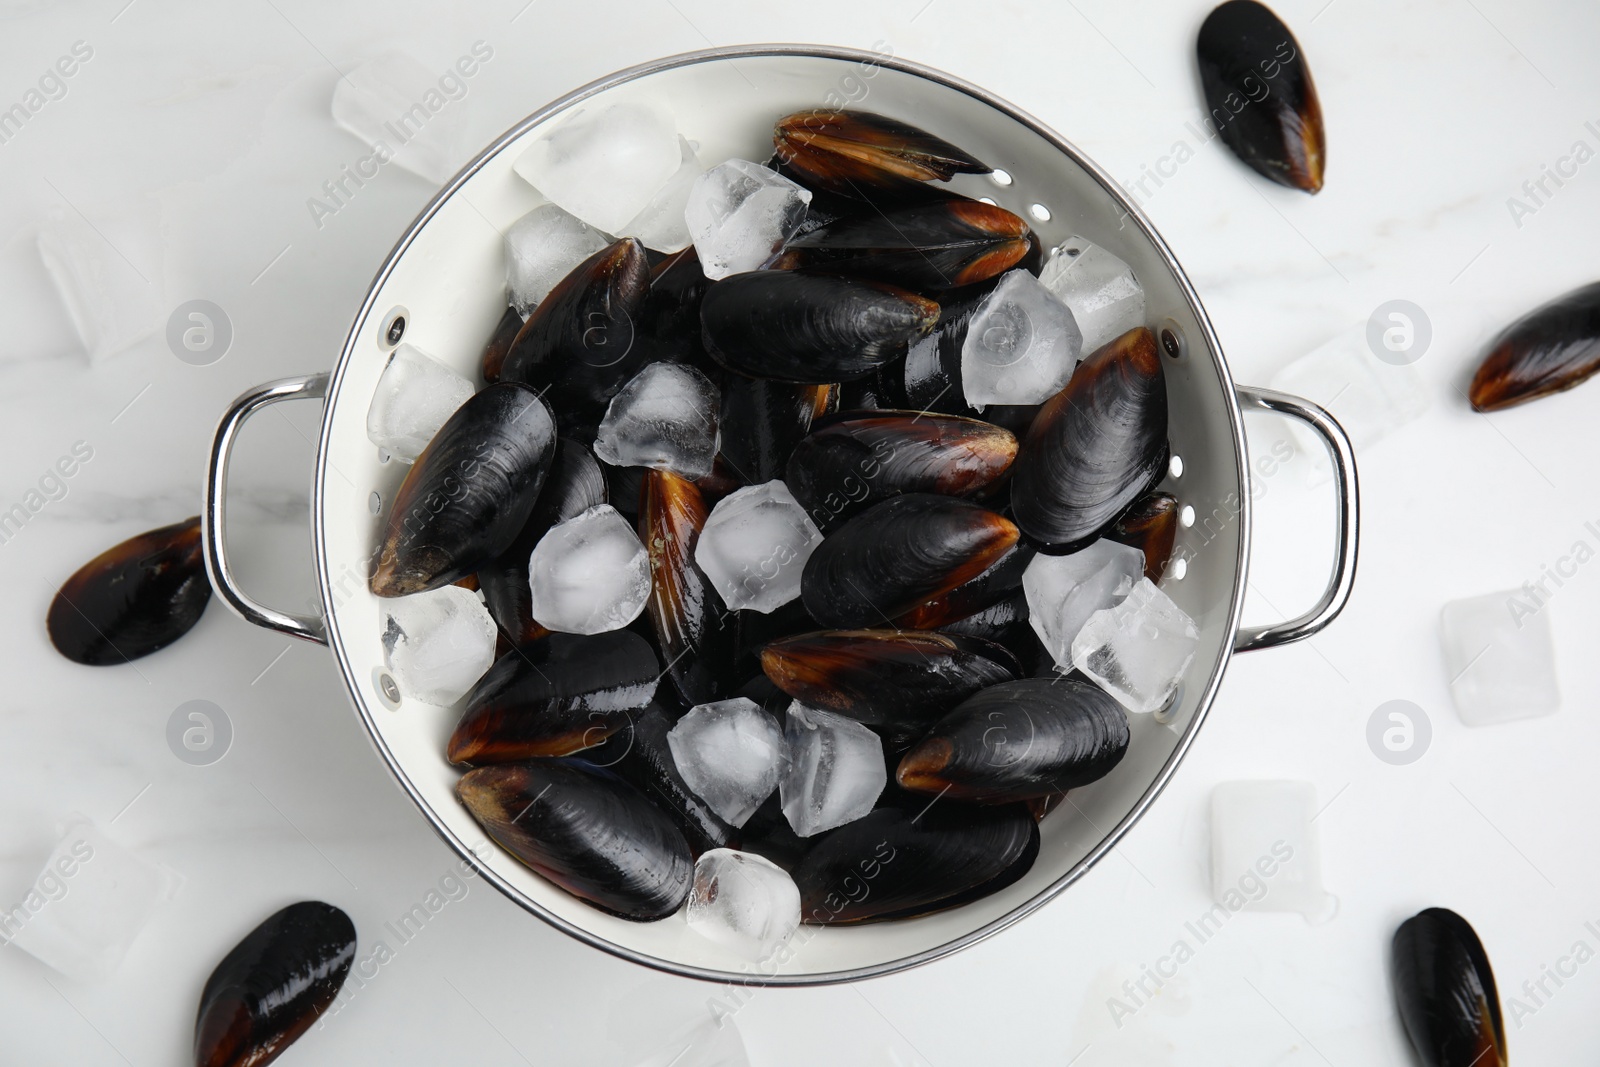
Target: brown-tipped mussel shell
[494,353]
[762,420]
[469,493]
[1446,992]
[1547,351]
[798,326]
[1095,447]
[1006,624]
[898,554]
[586,830]
[1259,91]
[1151,526]
[668,327]
[273,986]
[560,695]
[1000,581]
[851,152]
[133,599]
[1019,740]
[855,459]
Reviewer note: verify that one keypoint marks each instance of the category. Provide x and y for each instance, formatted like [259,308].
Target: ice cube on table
[665,417]
[604,165]
[1063,591]
[1138,650]
[835,770]
[714,1041]
[755,545]
[87,906]
[1264,852]
[415,395]
[1499,657]
[730,753]
[385,102]
[112,303]
[1021,345]
[589,574]
[438,643]
[740,214]
[743,902]
[542,247]
[1106,299]
[660,223]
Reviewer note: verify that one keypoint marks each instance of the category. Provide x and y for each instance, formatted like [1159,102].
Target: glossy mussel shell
[927,247]
[494,353]
[1095,447]
[273,986]
[586,830]
[1151,526]
[133,599]
[1547,351]
[1446,992]
[1001,580]
[843,150]
[762,421]
[1020,740]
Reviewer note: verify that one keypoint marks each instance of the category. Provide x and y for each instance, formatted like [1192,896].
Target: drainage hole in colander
[1000,177]
[1175,468]
[1186,516]
[1179,568]
[375,503]
[1040,212]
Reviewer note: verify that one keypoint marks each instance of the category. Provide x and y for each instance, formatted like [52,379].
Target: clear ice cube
[730,753]
[714,1041]
[438,643]
[589,574]
[664,417]
[660,223]
[1138,650]
[1264,852]
[1021,345]
[393,103]
[604,165]
[542,247]
[743,902]
[1063,591]
[1106,299]
[1499,656]
[835,771]
[755,545]
[415,395]
[112,303]
[740,213]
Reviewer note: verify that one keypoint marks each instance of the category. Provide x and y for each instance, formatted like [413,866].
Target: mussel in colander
[999,581]
[849,152]
[1547,351]
[1446,992]
[1151,526]
[668,327]
[761,421]
[494,353]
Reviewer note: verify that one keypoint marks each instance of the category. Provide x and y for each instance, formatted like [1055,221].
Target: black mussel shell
[1006,624]
[273,986]
[1151,526]
[1547,351]
[758,629]
[469,494]
[882,390]
[898,554]
[1001,580]
[926,247]
[768,834]
[624,487]
[1095,447]
[797,326]
[587,831]
[1020,740]
[762,420]
[494,353]
[668,328]
[1446,992]
[933,363]
[560,695]
[844,151]
[855,459]
[1258,89]
[133,599]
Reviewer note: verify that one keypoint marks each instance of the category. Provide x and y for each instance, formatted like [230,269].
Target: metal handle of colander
[1348,508]
[213,517]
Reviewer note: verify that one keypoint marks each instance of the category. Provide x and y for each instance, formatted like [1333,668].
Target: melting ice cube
[1063,591]
[740,213]
[755,545]
[393,103]
[416,394]
[589,574]
[1021,345]
[1106,299]
[730,753]
[743,902]
[714,1041]
[1499,656]
[664,417]
[1264,853]
[604,165]
[437,643]
[113,304]
[660,223]
[835,771]
[542,247]
[1139,649]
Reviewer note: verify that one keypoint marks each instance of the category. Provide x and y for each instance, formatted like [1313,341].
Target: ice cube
[660,223]
[755,544]
[730,753]
[415,395]
[714,1041]
[604,165]
[1499,656]
[835,770]
[743,902]
[1106,299]
[113,304]
[1063,591]
[740,213]
[542,247]
[1139,649]
[589,574]
[664,417]
[1021,345]
[394,104]
[1264,854]
[88,904]
[438,643]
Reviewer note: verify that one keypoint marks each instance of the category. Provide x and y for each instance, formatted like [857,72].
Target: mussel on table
[494,353]
[273,986]
[999,581]
[1446,992]
[1547,351]
[1151,526]
[761,421]
[586,830]
[133,599]
[851,152]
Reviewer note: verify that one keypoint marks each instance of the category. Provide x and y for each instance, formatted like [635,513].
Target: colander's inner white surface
[451,280]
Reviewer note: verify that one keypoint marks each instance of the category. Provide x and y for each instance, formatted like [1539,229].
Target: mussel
[1259,91]
[469,493]
[586,830]
[1446,992]
[1006,624]
[273,986]
[932,372]
[898,554]
[1547,351]
[1151,526]
[494,353]
[668,327]
[1020,740]
[851,152]
[762,421]
[1095,447]
[797,326]
[1001,580]
[561,694]
[133,599]
[882,390]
